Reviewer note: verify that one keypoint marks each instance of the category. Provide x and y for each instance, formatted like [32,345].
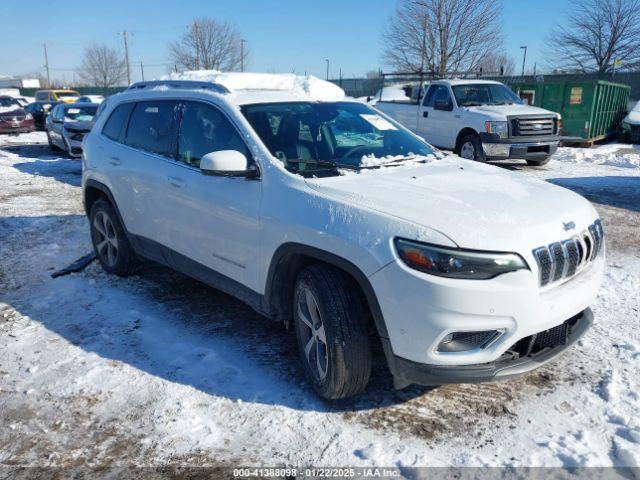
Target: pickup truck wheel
[539,163]
[471,148]
[109,240]
[332,332]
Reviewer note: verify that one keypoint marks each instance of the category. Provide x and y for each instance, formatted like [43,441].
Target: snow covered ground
[157,368]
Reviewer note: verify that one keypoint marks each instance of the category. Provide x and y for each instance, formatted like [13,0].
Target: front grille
[551,338]
[12,118]
[533,126]
[562,260]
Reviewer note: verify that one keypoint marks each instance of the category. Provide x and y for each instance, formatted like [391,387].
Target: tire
[539,163]
[52,146]
[340,319]
[471,148]
[110,242]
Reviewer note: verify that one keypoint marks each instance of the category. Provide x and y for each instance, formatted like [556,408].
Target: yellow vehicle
[66,96]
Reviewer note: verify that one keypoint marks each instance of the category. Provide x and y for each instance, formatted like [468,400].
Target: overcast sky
[282,35]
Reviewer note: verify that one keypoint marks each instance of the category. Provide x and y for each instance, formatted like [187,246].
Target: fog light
[458,342]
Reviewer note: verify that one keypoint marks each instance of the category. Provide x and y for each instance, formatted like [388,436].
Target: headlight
[457,263]
[28,116]
[500,128]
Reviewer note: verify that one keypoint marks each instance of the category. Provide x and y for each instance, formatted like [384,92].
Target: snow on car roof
[266,87]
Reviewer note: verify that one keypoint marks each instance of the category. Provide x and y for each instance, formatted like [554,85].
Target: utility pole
[524,58]
[242,42]
[141,70]
[327,60]
[126,56]
[46,62]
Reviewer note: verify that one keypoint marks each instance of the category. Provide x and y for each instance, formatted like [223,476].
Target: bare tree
[442,35]
[102,66]
[210,45]
[598,33]
[496,62]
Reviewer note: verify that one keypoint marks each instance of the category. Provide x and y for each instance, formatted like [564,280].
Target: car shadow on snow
[48,163]
[621,192]
[175,328]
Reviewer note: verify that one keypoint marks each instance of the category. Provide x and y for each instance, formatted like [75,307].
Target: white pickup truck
[479,120]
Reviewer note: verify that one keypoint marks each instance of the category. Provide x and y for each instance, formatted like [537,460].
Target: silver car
[67,125]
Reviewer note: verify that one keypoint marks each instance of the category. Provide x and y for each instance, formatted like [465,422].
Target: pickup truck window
[473,94]
[326,132]
[437,93]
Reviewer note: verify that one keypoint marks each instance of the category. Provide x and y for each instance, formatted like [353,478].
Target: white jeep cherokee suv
[328,216]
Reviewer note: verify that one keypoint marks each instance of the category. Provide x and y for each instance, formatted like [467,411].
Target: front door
[435,117]
[212,220]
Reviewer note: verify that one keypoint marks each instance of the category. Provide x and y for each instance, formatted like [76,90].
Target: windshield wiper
[326,163]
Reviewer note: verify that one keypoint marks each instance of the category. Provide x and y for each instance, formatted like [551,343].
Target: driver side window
[204,129]
[436,94]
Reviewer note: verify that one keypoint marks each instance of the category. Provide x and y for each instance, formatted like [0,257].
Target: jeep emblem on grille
[568,225]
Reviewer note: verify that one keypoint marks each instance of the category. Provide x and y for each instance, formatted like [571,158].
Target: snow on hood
[13,108]
[478,206]
[500,112]
[303,86]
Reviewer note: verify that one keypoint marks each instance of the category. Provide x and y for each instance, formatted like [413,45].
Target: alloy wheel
[313,334]
[106,239]
[468,151]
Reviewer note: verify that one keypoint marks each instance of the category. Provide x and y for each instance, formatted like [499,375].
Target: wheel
[471,148]
[538,163]
[332,332]
[109,240]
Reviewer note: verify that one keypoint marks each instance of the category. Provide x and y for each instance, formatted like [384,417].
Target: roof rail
[180,84]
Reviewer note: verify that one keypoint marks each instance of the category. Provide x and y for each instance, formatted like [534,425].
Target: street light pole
[327,60]
[524,58]
[242,42]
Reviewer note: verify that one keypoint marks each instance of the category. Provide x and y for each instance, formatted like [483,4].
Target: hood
[500,112]
[477,206]
[81,127]
[12,111]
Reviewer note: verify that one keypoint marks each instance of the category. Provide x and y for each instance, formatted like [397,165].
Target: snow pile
[615,155]
[303,86]
[634,115]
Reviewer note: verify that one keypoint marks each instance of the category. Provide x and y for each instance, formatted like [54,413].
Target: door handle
[425,114]
[114,161]
[176,182]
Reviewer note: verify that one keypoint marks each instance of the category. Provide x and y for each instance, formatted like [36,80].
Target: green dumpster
[591,110]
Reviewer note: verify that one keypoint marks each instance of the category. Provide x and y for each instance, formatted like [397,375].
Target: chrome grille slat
[563,260]
[533,126]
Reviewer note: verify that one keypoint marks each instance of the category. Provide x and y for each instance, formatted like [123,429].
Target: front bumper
[529,148]
[74,147]
[24,126]
[509,365]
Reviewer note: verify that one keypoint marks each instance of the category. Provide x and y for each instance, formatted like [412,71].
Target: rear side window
[152,127]
[116,122]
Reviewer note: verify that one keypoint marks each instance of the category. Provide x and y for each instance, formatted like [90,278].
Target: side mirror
[226,163]
[443,105]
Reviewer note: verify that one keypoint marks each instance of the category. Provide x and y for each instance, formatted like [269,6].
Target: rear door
[140,167]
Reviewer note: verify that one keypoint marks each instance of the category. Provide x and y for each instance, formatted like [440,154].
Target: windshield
[9,102]
[484,94]
[309,137]
[79,114]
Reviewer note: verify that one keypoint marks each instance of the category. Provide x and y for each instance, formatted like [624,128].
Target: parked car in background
[325,214]
[67,125]
[14,118]
[66,96]
[91,99]
[24,101]
[39,111]
[479,120]
[631,125]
